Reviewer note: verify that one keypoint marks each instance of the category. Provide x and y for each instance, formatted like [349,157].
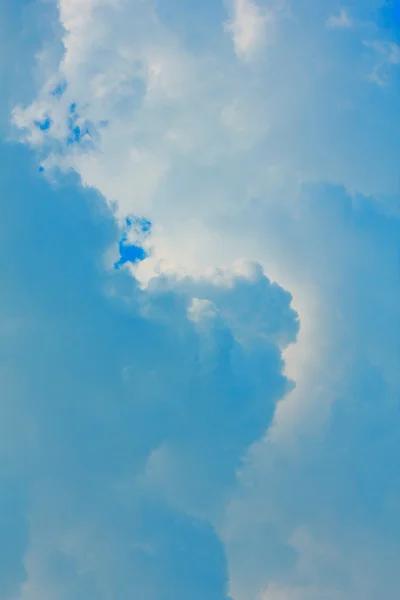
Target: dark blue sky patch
[144,224]
[76,131]
[133,253]
[390,17]
[139,223]
[44,125]
[129,253]
[76,134]
[59,90]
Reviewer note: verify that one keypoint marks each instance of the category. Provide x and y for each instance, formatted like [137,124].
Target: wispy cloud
[249,27]
[388,56]
[342,20]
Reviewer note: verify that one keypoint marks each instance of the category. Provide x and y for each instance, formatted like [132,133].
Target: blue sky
[200,305]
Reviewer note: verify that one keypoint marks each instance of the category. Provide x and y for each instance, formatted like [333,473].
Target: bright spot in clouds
[200,306]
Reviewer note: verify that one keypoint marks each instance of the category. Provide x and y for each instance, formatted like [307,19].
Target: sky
[199,300]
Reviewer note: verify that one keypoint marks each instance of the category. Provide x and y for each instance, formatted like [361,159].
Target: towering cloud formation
[126,413]
[223,423]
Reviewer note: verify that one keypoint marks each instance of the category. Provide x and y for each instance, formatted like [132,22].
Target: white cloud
[123,421]
[197,144]
[227,161]
[201,309]
[388,57]
[307,488]
[249,27]
[340,21]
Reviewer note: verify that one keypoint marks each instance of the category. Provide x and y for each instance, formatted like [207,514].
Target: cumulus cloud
[271,187]
[128,422]
[319,503]
[143,116]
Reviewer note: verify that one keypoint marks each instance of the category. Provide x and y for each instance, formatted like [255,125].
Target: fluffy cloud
[319,507]
[189,136]
[139,408]
[151,111]
[124,421]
